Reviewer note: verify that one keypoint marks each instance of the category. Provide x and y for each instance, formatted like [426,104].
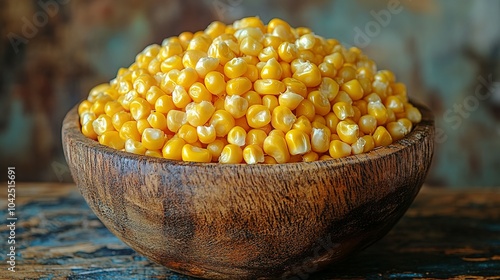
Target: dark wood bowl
[238,221]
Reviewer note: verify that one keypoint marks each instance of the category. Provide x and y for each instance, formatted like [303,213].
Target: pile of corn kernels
[249,93]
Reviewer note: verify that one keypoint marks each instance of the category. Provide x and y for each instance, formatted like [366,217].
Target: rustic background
[53,51]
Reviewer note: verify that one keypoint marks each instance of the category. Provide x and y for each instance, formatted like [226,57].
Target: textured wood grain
[445,234]
[248,221]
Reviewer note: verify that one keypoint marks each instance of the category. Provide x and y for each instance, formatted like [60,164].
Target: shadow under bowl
[239,221]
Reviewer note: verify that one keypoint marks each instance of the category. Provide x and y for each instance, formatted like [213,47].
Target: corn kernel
[339,149]
[188,133]
[140,108]
[406,123]
[258,116]
[306,72]
[290,99]
[348,131]
[231,154]
[255,137]
[191,58]
[397,130]
[141,125]
[295,86]
[276,147]
[413,114]
[204,65]
[252,97]
[354,89]
[320,138]
[288,52]
[237,136]
[88,131]
[176,119]
[367,124]
[282,118]
[378,110]
[102,124]
[306,108]
[320,102]
[164,104]
[195,154]
[238,86]
[215,83]
[343,110]
[199,113]
[311,156]
[153,139]
[180,97]
[253,154]
[269,86]
[298,142]
[222,121]
[112,139]
[135,147]
[382,137]
[358,146]
[235,68]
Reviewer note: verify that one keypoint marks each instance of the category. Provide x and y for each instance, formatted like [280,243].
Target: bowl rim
[71,128]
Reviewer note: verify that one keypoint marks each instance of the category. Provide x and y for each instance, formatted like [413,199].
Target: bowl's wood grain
[249,221]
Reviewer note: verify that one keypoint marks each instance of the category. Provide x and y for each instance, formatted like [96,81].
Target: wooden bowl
[238,221]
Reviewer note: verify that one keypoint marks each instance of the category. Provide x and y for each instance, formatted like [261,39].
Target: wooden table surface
[445,234]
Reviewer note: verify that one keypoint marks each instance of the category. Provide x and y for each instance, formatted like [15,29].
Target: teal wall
[447,52]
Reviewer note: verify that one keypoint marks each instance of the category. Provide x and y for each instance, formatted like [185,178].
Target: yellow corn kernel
[153,153]
[188,133]
[255,137]
[413,114]
[268,53]
[272,41]
[332,121]
[358,146]
[397,130]
[142,124]
[164,104]
[378,110]
[369,143]
[222,51]
[191,57]
[362,105]
[286,70]
[135,147]
[298,142]
[339,149]
[295,86]
[112,107]
[154,66]
[325,157]
[153,139]
[237,136]
[198,92]
[343,110]
[169,81]
[269,86]
[270,101]
[382,137]
[406,123]
[170,49]
[215,29]
[140,108]
[271,70]
[258,116]
[102,124]
[222,121]
[153,94]
[253,98]
[236,105]
[290,99]
[342,96]
[84,106]
[269,160]
[394,103]
[250,46]
[235,68]
[320,138]
[306,108]
[348,131]
[215,83]
[206,134]
[306,72]
[173,148]
[172,62]
[391,116]
[329,88]
[302,123]
[346,73]
[319,119]
[97,91]
[157,120]
[320,102]
[252,73]
[206,65]
[215,148]
[180,97]
[187,77]
[112,139]
[354,89]
[367,124]
[195,154]
[282,118]
[87,117]
[276,132]
[306,41]
[231,154]
[199,113]
[372,97]
[98,106]
[253,154]
[276,147]
[176,119]
[238,86]
[311,156]
[88,131]
[199,43]
[327,70]
[129,130]
[288,52]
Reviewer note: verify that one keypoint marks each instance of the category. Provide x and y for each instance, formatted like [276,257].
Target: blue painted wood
[444,234]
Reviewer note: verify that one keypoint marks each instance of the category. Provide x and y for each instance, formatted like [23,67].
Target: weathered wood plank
[445,234]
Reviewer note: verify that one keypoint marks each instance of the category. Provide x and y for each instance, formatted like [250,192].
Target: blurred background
[52,52]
